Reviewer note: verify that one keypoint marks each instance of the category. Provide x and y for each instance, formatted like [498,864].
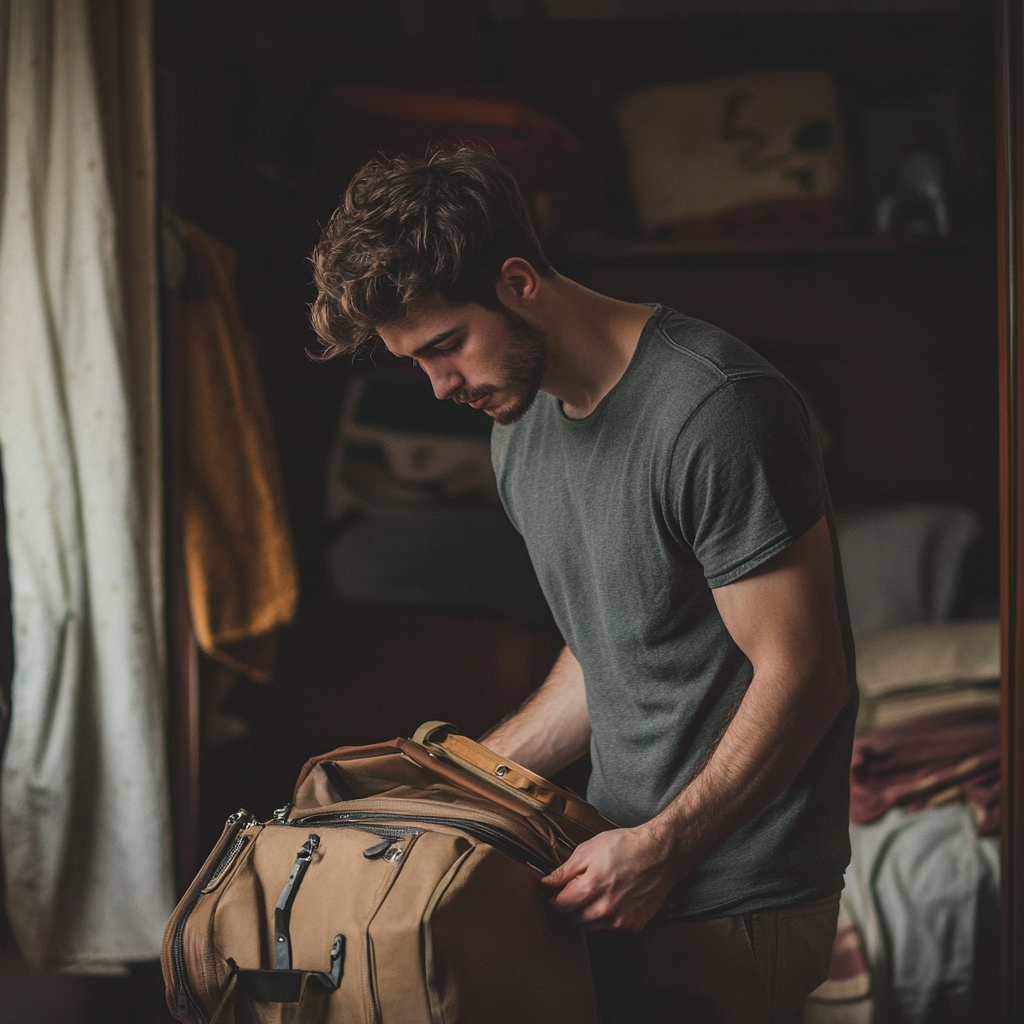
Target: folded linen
[927,761]
[927,655]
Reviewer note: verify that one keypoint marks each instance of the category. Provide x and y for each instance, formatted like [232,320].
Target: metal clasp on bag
[283,908]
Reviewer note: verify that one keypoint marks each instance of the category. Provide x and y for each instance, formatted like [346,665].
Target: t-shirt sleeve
[745,479]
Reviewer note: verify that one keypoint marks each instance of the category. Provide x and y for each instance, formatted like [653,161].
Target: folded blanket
[927,761]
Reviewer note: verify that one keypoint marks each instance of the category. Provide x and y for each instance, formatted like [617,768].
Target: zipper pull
[283,907]
[377,850]
[182,1003]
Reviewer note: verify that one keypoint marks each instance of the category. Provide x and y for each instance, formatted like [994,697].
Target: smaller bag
[401,888]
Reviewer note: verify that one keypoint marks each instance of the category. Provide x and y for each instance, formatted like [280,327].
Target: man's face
[489,359]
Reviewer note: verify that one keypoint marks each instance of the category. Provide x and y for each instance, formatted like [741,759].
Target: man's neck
[592,338]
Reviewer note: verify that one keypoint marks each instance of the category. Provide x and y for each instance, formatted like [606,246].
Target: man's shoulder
[685,366]
[708,351]
[680,363]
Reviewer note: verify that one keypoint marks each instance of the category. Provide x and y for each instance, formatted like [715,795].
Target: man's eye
[453,347]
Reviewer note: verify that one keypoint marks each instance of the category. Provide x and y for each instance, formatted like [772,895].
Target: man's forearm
[773,733]
[552,729]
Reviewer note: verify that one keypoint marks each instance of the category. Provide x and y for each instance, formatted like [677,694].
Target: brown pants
[753,968]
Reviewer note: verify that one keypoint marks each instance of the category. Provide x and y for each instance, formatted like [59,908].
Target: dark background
[249,151]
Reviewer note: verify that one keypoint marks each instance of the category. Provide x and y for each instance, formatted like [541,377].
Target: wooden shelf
[839,245]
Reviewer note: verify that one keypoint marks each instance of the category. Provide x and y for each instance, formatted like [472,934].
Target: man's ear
[518,283]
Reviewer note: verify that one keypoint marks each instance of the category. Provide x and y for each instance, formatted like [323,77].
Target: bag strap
[451,772]
[444,739]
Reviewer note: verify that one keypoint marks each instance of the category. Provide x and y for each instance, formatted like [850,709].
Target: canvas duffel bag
[400,886]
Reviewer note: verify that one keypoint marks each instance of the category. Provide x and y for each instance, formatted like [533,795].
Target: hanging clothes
[242,579]
[84,806]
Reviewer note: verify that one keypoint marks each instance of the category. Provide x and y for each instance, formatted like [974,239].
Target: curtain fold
[122,44]
[84,806]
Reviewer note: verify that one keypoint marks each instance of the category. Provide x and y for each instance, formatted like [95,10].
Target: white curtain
[84,807]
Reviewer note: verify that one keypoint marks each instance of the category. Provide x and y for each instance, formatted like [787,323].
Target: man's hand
[617,880]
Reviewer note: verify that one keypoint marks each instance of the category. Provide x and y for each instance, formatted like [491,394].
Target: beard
[521,371]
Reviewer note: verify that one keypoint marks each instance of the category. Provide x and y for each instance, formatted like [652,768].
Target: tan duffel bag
[399,887]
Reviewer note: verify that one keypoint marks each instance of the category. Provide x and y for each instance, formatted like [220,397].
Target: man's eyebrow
[435,340]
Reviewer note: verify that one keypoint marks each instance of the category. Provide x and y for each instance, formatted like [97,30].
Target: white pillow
[931,654]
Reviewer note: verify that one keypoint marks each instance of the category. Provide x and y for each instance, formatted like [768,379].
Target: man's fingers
[556,879]
[564,873]
[573,896]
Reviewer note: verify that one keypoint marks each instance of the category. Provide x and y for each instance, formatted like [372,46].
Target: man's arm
[552,729]
[783,617]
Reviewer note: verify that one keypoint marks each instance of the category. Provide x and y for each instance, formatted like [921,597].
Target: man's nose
[445,384]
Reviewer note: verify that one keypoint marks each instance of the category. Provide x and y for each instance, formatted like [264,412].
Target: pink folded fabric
[927,761]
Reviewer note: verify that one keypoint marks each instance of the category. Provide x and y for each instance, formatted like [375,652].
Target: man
[668,483]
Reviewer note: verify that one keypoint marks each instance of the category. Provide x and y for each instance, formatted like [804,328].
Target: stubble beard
[522,371]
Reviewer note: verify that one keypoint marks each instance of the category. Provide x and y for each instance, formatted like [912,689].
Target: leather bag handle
[450,772]
[503,775]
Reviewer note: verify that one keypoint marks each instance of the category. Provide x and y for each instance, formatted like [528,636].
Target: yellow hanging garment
[239,560]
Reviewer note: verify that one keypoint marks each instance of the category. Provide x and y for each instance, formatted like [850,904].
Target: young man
[668,483]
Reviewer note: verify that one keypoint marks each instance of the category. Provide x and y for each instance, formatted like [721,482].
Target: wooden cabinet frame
[1010,193]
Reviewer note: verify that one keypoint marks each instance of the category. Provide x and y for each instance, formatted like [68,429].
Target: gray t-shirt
[700,464]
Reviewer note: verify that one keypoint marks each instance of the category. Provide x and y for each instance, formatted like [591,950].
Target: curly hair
[411,230]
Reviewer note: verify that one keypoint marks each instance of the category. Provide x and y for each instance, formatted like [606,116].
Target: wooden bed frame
[1010,99]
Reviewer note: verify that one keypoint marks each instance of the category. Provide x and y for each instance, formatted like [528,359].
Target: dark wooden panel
[1010,94]
[182,652]
[6,625]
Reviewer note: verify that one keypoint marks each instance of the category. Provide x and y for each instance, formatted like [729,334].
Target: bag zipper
[187,1004]
[393,833]
[366,820]
[392,855]
[236,848]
